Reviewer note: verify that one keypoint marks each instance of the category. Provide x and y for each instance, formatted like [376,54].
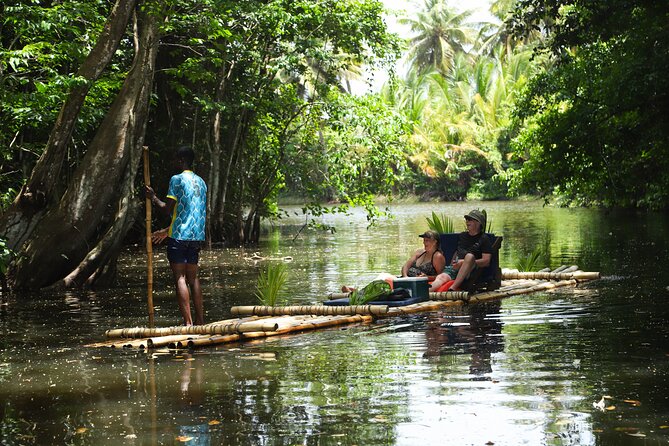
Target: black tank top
[426,268]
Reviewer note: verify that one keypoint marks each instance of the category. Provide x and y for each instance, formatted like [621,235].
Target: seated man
[474,251]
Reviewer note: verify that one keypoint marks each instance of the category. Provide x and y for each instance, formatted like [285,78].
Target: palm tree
[439,33]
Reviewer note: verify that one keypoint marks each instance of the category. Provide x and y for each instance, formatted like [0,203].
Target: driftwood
[319,310]
[216,328]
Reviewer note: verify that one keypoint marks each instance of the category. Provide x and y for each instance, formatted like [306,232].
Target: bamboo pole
[309,309]
[576,275]
[227,327]
[162,341]
[149,247]
[421,307]
[560,269]
[333,296]
[300,324]
[449,295]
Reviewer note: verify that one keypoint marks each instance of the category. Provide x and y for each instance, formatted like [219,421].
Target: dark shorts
[452,273]
[183,251]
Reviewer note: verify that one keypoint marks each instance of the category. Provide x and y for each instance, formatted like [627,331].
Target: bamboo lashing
[319,310]
[149,246]
[226,327]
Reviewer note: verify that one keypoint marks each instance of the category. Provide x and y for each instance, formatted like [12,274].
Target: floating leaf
[633,402]
[664,426]
[81,430]
[183,438]
[627,429]
[600,405]
[214,422]
[611,408]
[636,434]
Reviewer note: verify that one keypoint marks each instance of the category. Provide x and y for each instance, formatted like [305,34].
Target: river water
[586,365]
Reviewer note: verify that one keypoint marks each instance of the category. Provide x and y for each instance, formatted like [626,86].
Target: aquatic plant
[531,261]
[441,223]
[270,285]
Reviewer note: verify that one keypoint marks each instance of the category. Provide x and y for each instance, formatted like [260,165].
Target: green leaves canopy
[594,127]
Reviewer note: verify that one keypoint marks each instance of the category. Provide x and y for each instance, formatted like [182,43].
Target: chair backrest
[449,243]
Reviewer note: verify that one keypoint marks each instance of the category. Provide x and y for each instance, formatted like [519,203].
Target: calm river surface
[578,366]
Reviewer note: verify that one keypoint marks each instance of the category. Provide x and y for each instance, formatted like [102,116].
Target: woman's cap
[434,235]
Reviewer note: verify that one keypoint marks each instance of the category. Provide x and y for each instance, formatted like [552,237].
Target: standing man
[186,202]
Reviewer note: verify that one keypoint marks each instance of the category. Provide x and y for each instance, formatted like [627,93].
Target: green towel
[373,291]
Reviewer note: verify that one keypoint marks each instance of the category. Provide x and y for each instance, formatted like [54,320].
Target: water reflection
[477,333]
[191,418]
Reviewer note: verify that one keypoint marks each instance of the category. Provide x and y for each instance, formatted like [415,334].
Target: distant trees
[593,128]
[458,93]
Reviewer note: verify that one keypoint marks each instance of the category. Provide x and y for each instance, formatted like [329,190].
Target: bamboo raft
[255,322]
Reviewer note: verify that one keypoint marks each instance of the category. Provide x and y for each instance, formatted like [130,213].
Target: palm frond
[531,261]
[441,223]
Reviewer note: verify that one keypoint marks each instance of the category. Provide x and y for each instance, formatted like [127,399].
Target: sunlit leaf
[611,408]
[214,422]
[81,430]
[183,438]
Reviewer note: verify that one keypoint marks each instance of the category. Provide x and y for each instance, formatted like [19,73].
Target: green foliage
[42,45]
[352,155]
[6,256]
[593,128]
[532,261]
[372,291]
[441,223]
[270,285]
[458,100]
[274,73]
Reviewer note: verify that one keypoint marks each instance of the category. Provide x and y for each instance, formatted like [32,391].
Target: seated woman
[426,262]
[473,251]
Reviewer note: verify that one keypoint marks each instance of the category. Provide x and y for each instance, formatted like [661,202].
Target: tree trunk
[235,148]
[37,195]
[216,149]
[75,240]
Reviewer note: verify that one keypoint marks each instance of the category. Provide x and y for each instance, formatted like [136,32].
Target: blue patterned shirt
[190,212]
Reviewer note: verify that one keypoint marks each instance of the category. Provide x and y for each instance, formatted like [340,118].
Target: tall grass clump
[532,261]
[441,223]
[270,285]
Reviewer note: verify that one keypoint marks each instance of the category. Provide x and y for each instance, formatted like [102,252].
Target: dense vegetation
[561,98]
[593,128]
